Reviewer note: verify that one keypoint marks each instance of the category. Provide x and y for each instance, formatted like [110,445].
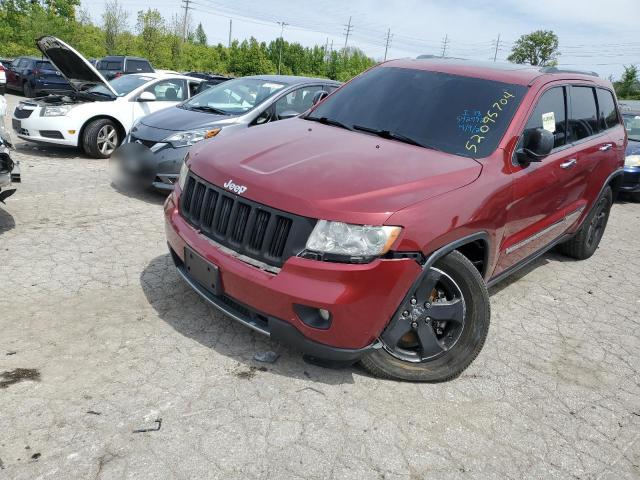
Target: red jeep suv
[369,228]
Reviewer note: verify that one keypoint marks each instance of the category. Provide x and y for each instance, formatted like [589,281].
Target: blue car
[631,180]
[35,77]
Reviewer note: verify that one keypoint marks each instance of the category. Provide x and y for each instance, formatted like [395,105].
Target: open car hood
[73,66]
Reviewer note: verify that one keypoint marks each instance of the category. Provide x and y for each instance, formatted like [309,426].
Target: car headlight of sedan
[56,110]
[188,138]
[344,239]
[632,161]
[184,172]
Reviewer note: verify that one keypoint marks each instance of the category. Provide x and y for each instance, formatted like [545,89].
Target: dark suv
[370,227]
[115,66]
[34,77]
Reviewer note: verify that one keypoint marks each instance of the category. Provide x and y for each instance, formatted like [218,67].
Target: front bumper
[39,129]
[159,163]
[361,298]
[631,180]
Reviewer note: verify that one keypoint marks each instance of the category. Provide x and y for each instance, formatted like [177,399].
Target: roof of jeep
[498,71]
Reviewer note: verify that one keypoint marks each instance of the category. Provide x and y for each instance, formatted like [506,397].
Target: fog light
[313,317]
[71,132]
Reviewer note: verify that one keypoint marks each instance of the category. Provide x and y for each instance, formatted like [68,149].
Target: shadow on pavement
[6,221]
[188,314]
[146,195]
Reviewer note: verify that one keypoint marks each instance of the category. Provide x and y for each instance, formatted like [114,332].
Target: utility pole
[186,17]
[445,43]
[282,25]
[386,47]
[495,54]
[230,28]
[326,50]
[347,33]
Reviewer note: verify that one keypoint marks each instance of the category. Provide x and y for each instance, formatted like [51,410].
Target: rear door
[14,75]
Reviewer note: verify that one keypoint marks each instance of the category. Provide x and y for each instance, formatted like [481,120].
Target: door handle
[568,164]
[606,147]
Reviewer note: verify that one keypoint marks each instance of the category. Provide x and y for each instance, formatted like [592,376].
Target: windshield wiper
[207,108]
[394,136]
[328,121]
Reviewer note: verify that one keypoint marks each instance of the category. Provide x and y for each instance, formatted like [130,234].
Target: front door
[536,215]
[168,93]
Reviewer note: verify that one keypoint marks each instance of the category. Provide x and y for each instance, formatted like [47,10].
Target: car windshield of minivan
[451,113]
[122,85]
[234,97]
[632,125]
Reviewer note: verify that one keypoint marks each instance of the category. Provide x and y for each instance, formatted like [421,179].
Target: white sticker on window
[549,121]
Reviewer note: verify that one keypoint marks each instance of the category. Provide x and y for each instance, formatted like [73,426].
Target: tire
[100,138]
[27,90]
[586,240]
[635,197]
[408,359]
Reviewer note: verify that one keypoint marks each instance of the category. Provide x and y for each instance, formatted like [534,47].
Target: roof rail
[566,70]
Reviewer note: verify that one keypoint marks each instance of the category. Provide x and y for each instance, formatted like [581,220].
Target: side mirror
[146,97]
[287,114]
[539,145]
[319,96]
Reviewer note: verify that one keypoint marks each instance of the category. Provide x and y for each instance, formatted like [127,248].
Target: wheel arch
[476,247]
[121,130]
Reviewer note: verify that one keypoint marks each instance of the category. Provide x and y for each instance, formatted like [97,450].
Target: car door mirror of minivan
[147,97]
[319,96]
[287,114]
[538,146]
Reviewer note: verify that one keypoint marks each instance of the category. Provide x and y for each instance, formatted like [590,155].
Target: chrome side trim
[566,222]
[219,305]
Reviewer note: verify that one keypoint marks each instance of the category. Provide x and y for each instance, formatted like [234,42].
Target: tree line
[161,41]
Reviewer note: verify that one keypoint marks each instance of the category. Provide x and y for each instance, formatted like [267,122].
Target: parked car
[98,114]
[3,79]
[370,228]
[35,76]
[9,170]
[155,149]
[631,183]
[209,79]
[116,66]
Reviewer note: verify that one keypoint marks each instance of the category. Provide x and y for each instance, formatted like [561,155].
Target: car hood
[179,119]
[326,172]
[73,66]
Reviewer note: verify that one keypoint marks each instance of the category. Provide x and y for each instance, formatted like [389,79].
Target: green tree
[151,29]
[536,48]
[629,85]
[201,37]
[114,21]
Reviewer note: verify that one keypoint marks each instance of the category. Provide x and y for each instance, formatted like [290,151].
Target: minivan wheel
[586,240]
[441,330]
[100,138]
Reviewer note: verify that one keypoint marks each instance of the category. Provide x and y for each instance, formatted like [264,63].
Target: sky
[594,35]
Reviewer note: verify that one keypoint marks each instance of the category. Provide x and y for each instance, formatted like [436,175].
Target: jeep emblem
[239,189]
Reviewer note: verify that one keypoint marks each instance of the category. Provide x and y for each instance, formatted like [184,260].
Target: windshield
[632,125]
[122,85]
[235,96]
[454,114]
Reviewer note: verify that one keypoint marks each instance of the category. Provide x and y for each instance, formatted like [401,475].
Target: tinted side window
[583,121]
[607,112]
[549,114]
[137,66]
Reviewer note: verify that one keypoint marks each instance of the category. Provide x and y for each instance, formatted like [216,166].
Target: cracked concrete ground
[91,302]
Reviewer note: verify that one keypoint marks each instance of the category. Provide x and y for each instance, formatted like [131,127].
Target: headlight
[184,171]
[632,161]
[56,110]
[353,240]
[185,139]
